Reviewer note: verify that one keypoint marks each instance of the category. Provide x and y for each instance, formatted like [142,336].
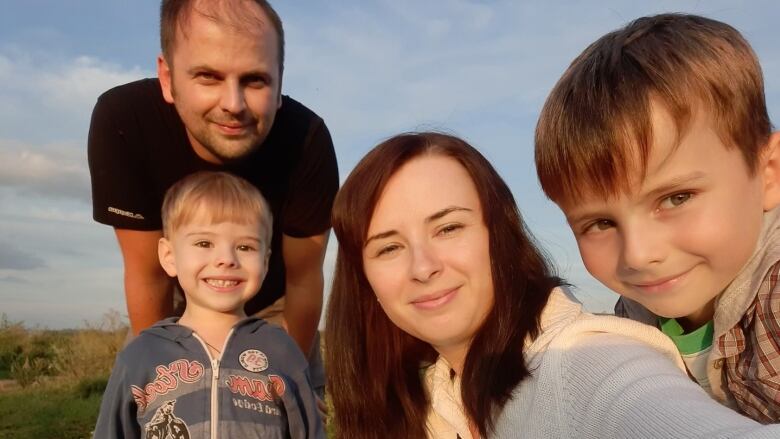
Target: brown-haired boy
[657,146]
[214,371]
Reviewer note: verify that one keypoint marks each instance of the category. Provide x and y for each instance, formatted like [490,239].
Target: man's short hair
[175,13]
[223,197]
[595,129]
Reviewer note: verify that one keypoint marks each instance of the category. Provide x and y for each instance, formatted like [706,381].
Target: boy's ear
[165,253]
[770,168]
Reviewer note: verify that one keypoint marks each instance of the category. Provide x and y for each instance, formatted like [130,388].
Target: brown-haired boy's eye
[676,200]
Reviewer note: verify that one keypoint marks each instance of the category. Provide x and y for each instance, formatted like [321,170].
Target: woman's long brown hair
[375,369]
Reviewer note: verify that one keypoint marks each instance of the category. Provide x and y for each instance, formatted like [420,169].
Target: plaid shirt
[744,364]
[751,351]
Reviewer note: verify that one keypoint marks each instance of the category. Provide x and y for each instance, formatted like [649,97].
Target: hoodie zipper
[214,381]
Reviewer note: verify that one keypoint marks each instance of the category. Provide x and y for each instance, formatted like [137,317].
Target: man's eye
[206,76]
[676,200]
[256,81]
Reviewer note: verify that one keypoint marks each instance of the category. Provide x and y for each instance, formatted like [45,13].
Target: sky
[370,68]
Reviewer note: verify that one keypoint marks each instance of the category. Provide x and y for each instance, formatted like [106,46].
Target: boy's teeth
[222,283]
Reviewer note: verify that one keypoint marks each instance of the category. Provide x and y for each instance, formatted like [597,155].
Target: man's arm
[148,289]
[303,259]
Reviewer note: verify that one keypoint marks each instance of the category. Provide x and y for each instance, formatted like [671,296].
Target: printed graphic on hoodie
[165,424]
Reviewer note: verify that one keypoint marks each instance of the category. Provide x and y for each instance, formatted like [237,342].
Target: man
[217,105]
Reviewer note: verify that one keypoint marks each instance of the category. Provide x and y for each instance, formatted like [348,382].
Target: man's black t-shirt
[138,148]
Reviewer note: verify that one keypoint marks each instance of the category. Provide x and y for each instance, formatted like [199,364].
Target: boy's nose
[424,263]
[226,258]
[643,246]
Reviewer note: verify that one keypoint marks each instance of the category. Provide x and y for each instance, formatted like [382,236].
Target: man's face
[225,83]
[676,239]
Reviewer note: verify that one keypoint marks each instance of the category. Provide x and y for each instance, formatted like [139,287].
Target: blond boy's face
[219,266]
[676,239]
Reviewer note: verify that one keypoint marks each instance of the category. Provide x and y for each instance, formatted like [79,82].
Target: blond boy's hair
[595,129]
[222,196]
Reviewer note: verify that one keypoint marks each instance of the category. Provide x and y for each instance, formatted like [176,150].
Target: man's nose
[233,99]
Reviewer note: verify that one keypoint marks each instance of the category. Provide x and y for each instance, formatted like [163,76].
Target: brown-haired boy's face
[674,240]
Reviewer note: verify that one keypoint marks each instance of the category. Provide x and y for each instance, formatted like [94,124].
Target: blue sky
[371,69]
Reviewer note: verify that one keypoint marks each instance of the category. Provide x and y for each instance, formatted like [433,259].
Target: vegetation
[51,382]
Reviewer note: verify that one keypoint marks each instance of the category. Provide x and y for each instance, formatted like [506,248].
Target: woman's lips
[435,300]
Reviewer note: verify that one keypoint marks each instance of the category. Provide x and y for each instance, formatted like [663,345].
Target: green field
[51,382]
[47,412]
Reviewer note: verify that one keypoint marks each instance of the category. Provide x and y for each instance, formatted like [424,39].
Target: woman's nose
[425,263]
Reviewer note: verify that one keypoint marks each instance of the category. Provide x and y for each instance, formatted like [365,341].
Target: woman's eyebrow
[446,211]
[438,215]
[380,235]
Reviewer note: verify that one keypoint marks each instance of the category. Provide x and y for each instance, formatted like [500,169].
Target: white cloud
[79,82]
[50,171]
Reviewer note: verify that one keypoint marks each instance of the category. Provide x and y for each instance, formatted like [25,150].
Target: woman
[445,320]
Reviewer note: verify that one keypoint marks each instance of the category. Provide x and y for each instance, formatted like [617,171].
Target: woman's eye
[449,229]
[675,200]
[388,250]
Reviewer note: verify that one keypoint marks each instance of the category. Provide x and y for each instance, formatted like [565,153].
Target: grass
[48,411]
[59,378]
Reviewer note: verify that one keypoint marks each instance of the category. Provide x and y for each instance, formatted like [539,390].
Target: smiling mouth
[435,300]
[661,285]
[222,283]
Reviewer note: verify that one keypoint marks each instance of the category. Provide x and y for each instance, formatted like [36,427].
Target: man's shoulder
[293,107]
[142,89]
[295,116]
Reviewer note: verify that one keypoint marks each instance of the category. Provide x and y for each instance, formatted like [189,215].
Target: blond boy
[657,146]
[213,371]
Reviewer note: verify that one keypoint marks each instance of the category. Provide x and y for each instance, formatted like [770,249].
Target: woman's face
[427,255]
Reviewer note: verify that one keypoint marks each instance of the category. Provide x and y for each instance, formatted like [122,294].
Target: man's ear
[164,74]
[770,169]
[165,254]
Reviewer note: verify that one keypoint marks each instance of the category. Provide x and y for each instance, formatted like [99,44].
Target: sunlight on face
[679,237]
[219,266]
[225,84]
[427,254]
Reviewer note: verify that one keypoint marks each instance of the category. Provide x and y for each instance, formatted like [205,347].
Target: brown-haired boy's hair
[176,13]
[595,129]
[222,196]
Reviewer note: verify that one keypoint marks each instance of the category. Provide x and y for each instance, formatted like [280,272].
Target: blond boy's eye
[245,248]
[203,244]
